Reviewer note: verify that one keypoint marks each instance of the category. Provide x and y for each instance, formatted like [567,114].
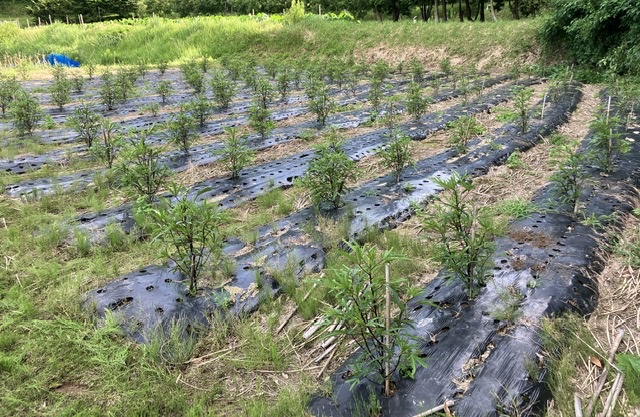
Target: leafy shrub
[192,232]
[462,131]
[568,181]
[107,91]
[416,102]
[606,143]
[396,155]
[296,12]
[599,33]
[521,97]
[200,108]
[140,169]
[124,84]
[181,129]
[328,173]
[26,113]
[86,123]
[107,150]
[360,287]
[164,90]
[464,233]
[320,100]
[236,153]
[9,90]
[61,88]
[224,89]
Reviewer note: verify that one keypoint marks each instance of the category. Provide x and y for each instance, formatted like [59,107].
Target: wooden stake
[387,341]
[50,21]
[434,410]
[295,310]
[544,102]
[603,376]
[610,404]
[577,404]
[608,109]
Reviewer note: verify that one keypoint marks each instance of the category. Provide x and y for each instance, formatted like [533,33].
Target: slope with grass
[491,45]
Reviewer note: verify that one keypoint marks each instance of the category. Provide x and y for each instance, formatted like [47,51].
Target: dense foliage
[599,33]
[439,10]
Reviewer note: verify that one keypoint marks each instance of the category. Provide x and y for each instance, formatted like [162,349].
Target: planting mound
[490,362]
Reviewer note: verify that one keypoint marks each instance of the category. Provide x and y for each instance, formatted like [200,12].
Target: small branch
[326,364]
[577,404]
[434,410]
[295,310]
[610,404]
[603,376]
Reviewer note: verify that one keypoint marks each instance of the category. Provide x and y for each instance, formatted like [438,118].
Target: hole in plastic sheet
[150,288]
[121,302]
[159,310]
[168,280]
[101,291]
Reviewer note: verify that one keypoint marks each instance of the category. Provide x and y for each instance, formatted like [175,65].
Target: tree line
[436,10]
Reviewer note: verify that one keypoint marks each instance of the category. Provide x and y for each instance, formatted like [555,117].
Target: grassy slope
[493,45]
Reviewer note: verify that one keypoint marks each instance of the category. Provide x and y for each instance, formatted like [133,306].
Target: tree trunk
[395,14]
[493,11]
[444,10]
[481,6]
[468,7]
[515,9]
[436,17]
[460,15]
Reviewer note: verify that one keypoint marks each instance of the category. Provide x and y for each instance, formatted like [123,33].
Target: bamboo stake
[326,364]
[608,109]
[544,102]
[616,393]
[387,341]
[295,310]
[577,404]
[434,410]
[603,376]
[609,404]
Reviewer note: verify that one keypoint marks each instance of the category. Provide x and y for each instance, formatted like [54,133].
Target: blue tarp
[58,59]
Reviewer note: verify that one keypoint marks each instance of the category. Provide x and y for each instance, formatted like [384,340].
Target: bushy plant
[296,12]
[191,231]
[60,90]
[606,143]
[181,129]
[598,33]
[108,93]
[417,71]
[194,77]
[164,90]
[200,108]
[140,169]
[462,131]
[236,153]
[463,233]
[91,69]
[360,288]
[86,123]
[521,97]
[107,149]
[9,90]
[416,102]
[375,97]
[283,82]
[78,83]
[391,111]
[320,100]
[142,68]
[568,181]
[327,175]
[124,84]
[396,154]
[259,119]
[224,89]
[26,113]
[163,65]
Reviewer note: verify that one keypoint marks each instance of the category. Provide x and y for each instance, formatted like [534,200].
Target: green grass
[157,39]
